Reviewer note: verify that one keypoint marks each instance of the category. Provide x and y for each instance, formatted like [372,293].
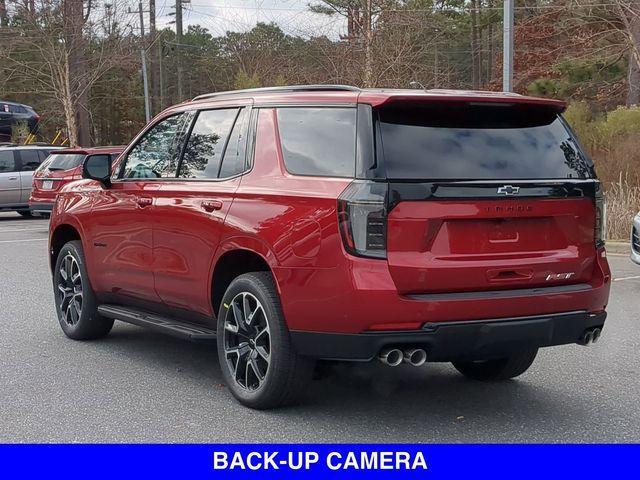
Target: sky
[219,16]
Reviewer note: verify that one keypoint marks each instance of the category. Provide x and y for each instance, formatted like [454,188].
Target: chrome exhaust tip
[595,336]
[391,356]
[587,338]
[415,356]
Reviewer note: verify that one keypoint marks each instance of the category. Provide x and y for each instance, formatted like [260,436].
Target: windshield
[64,161]
[479,142]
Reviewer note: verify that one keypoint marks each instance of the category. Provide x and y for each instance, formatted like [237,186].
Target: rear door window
[233,162]
[204,149]
[7,161]
[30,160]
[467,142]
[318,141]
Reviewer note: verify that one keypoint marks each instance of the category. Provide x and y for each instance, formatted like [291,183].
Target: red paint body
[59,178]
[158,242]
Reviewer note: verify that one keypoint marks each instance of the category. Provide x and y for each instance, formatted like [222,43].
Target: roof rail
[291,88]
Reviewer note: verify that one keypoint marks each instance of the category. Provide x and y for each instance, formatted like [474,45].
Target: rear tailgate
[461,245]
[485,197]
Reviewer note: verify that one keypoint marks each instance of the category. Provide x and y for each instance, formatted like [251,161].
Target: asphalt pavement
[139,386]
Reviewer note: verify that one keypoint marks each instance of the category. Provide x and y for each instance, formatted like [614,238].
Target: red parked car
[60,168]
[327,222]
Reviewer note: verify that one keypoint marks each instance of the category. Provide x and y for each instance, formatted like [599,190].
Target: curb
[618,247]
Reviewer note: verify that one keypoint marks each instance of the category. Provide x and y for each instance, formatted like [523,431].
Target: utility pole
[507,62]
[178,49]
[143,58]
[154,58]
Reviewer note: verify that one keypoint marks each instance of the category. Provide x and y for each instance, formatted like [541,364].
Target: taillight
[601,217]
[362,217]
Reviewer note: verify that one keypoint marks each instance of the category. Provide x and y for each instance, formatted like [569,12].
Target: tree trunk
[368,45]
[491,42]
[633,92]
[475,45]
[66,97]
[4,20]
[76,48]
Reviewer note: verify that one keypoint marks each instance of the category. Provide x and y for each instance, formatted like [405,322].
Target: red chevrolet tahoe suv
[61,167]
[328,222]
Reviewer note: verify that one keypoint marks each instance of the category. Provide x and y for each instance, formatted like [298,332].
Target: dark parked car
[17,164]
[14,113]
[328,222]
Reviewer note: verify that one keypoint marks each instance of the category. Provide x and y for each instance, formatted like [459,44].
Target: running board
[170,326]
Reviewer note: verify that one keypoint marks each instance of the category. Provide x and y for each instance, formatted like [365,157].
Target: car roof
[373,96]
[7,102]
[92,150]
[30,147]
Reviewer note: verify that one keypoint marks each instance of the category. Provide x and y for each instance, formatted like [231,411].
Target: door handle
[13,178]
[211,205]
[144,201]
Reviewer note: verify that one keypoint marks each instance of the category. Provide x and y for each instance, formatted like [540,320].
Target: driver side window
[154,156]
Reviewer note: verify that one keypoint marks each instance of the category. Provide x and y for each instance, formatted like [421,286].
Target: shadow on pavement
[369,397]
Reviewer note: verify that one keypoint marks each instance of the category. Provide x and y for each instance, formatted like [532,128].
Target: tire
[76,303]
[263,371]
[25,213]
[499,369]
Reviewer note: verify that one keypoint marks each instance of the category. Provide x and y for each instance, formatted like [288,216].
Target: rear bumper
[447,341]
[40,207]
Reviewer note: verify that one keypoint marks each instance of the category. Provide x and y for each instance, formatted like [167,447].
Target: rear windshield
[479,142]
[64,161]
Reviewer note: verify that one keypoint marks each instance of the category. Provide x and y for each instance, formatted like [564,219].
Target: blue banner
[326,462]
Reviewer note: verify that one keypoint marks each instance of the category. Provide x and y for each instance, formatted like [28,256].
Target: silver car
[635,239]
[17,164]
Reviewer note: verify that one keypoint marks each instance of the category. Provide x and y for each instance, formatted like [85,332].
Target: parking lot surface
[139,386]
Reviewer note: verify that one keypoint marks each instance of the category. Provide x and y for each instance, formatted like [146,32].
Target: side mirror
[98,167]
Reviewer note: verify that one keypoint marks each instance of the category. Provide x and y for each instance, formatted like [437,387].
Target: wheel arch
[236,258]
[62,234]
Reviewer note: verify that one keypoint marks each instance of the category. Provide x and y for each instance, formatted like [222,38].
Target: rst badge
[559,276]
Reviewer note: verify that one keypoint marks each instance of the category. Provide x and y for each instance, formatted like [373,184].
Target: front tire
[76,303]
[498,369]
[258,361]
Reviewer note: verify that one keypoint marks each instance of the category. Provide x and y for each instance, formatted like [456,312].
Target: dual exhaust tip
[394,356]
[590,336]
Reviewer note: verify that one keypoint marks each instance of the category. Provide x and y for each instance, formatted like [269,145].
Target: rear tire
[499,369]
[25,213]
[257,359]
[76,303]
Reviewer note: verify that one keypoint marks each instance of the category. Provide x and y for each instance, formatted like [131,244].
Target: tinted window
[17,109]
[154,156]
[479,143]
[7,162]
[318,141]
[64,161]
[234,155]
[204,149]
[30,160]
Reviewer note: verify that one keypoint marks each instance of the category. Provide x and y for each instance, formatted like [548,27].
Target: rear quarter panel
[291,221]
